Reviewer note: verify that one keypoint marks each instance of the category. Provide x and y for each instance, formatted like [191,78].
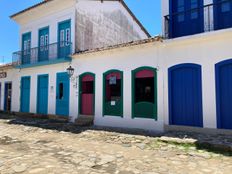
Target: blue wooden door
[222,14]
[7,97]
[62,94]
[185,95]
[25,94]
[42,94]
[43,44]
[186,17]
[26,48]
[224,94]
[64,39]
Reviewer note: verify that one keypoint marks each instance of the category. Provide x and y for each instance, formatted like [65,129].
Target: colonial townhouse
[50,32]
[179,80]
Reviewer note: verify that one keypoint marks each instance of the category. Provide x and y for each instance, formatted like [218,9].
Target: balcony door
[222,14]
[43,44]
[26,48]
[64,39]
[187,17]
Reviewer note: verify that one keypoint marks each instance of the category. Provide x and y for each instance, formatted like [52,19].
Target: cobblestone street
[32,149]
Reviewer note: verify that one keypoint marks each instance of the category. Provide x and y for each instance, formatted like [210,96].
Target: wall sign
[3,75]
[113,80]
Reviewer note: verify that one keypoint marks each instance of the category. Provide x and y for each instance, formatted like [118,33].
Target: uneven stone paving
[30,149]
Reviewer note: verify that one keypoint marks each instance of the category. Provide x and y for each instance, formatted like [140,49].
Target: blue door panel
[185,95]
[26,48]
[25,94]
[224,94]
[62,94]
[43,44]
[222,14]
[64,39]
[42,94]
[186,17]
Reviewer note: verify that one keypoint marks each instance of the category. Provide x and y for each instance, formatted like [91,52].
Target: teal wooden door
[64,39]
[26,48]
[42,94]
[43,44]
[62,94]
[25,94]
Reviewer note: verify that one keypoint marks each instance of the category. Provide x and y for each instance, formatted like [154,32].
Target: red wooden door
[87,95]
[87,104]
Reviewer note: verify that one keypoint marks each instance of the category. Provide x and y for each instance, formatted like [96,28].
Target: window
[68,39]
[113,90]
[180,10]
[46,42]
[144,93]
[194,10]
[41,43]
[225,6]
[62,38]
[113,93]
[25,45]
[144,90]
[61,91]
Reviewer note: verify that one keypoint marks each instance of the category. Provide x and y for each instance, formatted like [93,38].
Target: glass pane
[180,10]
[194,6]
[67,36]
[28,46]
[61,91]
[62,38]
[225,6]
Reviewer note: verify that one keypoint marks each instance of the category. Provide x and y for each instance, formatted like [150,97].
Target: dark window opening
[144,90]
[61,91]
[87,87]
[113,91]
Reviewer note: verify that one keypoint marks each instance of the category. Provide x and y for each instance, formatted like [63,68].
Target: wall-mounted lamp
[70,71]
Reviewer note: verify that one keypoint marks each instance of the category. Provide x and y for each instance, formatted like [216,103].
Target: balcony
[44,55]
[207,18]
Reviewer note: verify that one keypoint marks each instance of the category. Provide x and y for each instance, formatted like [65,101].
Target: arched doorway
[144,93]
[224,94]
[185,95]
[87,94]
[113,93]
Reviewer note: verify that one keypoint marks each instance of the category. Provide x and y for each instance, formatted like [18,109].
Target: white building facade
[183,79]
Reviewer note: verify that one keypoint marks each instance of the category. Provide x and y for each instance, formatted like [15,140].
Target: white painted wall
[205,49]
[126,60]
[100,24]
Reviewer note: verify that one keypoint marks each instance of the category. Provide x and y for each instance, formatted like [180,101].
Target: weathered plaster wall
[103,24]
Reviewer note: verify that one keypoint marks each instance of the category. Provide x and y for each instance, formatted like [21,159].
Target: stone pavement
[43,147]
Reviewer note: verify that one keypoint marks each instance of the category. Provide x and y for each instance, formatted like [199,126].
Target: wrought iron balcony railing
[43,55]
[207,18]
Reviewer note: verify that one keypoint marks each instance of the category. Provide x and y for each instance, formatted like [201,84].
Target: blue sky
[147,11]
